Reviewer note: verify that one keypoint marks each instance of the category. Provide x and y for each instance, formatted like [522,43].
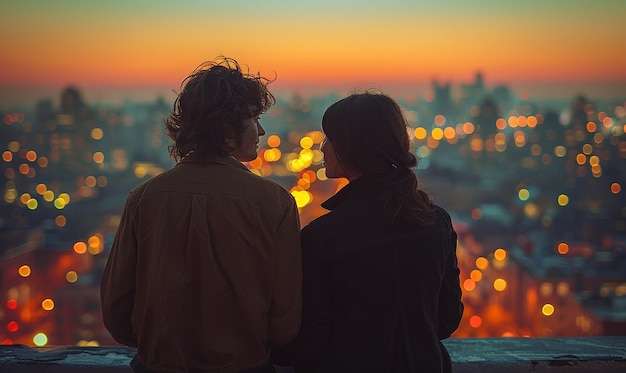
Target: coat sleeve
[286,310]
[317,318]
[450,305]
[117,286]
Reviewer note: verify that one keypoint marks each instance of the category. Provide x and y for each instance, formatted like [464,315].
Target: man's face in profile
[248,149]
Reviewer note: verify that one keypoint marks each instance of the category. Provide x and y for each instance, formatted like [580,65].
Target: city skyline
[543,48]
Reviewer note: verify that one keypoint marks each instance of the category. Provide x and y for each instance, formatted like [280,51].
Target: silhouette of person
[205,270]
[380,273]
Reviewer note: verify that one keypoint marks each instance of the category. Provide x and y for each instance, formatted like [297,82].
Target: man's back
[209,237]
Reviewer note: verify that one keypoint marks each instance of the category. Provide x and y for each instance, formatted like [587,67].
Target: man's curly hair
[211,107]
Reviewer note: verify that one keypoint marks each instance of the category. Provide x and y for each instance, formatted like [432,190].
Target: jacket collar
[358,187]
[366,185]
[215,159]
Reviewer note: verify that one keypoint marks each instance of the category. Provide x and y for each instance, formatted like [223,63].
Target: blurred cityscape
[535,190]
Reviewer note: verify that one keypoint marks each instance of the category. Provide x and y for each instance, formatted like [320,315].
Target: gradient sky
[572,44]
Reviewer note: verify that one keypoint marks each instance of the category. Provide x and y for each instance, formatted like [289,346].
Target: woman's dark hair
[211,107]
[370,138]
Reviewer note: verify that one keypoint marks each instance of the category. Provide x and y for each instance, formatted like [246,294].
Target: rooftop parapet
[511,355]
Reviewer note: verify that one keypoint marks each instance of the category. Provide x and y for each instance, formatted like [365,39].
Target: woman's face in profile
[333,168]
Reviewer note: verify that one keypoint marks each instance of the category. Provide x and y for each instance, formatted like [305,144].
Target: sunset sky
[151,45]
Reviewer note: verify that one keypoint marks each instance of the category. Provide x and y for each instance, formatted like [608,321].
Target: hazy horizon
[11,97]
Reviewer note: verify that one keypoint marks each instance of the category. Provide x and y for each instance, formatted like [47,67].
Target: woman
[380,275]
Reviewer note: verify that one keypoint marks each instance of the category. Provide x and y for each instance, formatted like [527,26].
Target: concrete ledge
[510,355]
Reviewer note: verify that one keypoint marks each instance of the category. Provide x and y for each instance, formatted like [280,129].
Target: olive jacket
[205,270]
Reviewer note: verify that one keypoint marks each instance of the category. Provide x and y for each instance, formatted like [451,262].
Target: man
[205,274]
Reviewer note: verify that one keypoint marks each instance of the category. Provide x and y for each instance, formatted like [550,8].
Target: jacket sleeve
[286,310]
[117,286]
[317,318]
[450,305]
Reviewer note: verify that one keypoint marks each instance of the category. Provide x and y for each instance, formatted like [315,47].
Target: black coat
[378,297]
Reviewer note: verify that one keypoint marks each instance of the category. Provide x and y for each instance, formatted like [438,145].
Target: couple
[209,271]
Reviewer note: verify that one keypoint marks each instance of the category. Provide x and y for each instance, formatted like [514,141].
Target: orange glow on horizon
[357,48]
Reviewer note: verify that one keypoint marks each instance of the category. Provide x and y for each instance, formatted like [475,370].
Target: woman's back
[385,281]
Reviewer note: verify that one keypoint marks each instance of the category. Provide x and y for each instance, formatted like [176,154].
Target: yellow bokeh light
[7,156]
[318,156]
[94,244]
[547,309]
[24,198]
[306,142]
[257,162]
[476,275]
[140,171]
[272,155]
[523,194]
[40,339]
[94,241]
[420,133]
[321,174]
[500,123]
[273,141]
[31,156]
[563,200]
[469,284]
[80,247]
[71,276]
[616,188]
[60,221]
[302,197]
[560,151]
[24,271]
[41,188]
[531,210]
[90,181]
[10,196]
[500,254]
[98,157]
[47,304]
[482,263]
[499,284]
[65,197]
[32,204]
[97,134]
[449,133]
[14,146]
[48,196]
[304,184]
[437,133]
[306,155]
[59,203]
[468,128]
[591,127]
